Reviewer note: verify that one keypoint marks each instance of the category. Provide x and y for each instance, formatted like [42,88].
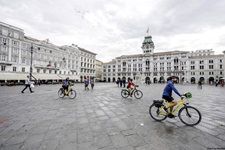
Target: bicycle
[137,93]
[71,93]
[186,112]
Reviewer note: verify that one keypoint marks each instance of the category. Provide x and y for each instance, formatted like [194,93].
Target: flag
[147,30]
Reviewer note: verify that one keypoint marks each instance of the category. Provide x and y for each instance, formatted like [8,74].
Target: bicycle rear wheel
[61,93]
[124,94]
[155,113]
[190,115]
[138,94]
[72,94]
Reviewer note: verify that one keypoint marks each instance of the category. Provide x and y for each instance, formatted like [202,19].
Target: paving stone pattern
[101,119]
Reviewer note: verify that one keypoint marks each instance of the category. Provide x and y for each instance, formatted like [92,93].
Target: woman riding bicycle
[130,86]
[167,93]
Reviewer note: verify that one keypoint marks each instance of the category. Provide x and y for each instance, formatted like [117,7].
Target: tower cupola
[148,45]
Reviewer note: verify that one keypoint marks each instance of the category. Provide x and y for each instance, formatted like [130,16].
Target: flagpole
[147,31]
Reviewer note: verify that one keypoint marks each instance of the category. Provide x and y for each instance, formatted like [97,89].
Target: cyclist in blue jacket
[167,93]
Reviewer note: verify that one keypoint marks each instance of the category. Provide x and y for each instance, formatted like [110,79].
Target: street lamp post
[31,61]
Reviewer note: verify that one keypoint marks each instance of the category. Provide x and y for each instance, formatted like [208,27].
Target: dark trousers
[26,86]
[92,86]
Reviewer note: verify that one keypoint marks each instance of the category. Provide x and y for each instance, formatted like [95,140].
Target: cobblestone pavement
[101,119]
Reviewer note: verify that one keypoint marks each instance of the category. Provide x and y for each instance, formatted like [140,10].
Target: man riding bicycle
[167,93]
[66,84]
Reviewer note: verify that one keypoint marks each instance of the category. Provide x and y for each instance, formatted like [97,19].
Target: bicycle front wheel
[72,94]
[138,94]
[155,113]
[190,115]
[124,93]
[61,93]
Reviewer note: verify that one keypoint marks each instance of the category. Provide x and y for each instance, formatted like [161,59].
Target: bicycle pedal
[171,115]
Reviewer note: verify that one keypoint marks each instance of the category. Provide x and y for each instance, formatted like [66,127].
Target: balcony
[46,67]
[7,63]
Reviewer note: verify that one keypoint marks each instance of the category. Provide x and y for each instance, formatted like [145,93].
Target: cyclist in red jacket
[130,86]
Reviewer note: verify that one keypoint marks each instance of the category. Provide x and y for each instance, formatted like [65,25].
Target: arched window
[147,62]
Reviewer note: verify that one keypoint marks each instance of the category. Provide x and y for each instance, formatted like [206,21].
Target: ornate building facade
[49,62]
[151,66]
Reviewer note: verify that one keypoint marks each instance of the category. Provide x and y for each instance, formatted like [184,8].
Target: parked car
[10,83]
[2,84]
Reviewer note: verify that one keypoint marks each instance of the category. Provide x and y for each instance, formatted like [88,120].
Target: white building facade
[154,67]
[50,62]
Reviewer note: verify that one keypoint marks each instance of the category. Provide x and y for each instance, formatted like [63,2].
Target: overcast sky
[118,27]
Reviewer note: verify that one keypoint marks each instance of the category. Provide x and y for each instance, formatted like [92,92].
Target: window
[5,49]
[192,67]
[3,68]
[201,67]
[15,50]
[210,61]
[15,43]
[221,67]
[201,62]
[44,71]
[24,52]
[14,59]
[23,60]
[175,67]
[192,62]
[14,69]
[23,69]
[38,70]
[147,62]
[169,64]
[3,58]
[210,66]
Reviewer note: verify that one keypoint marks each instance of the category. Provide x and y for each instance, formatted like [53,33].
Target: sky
[118,27]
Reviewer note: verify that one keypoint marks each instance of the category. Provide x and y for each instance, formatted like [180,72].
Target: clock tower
[148,46]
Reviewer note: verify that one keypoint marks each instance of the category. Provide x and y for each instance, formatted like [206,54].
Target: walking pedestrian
[124,82]
[118,82]
[121,82]
[27,85]
[39,82]
[92,82]
[86,82]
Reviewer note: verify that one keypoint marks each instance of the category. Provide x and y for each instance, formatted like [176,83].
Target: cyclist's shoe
[165,110]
